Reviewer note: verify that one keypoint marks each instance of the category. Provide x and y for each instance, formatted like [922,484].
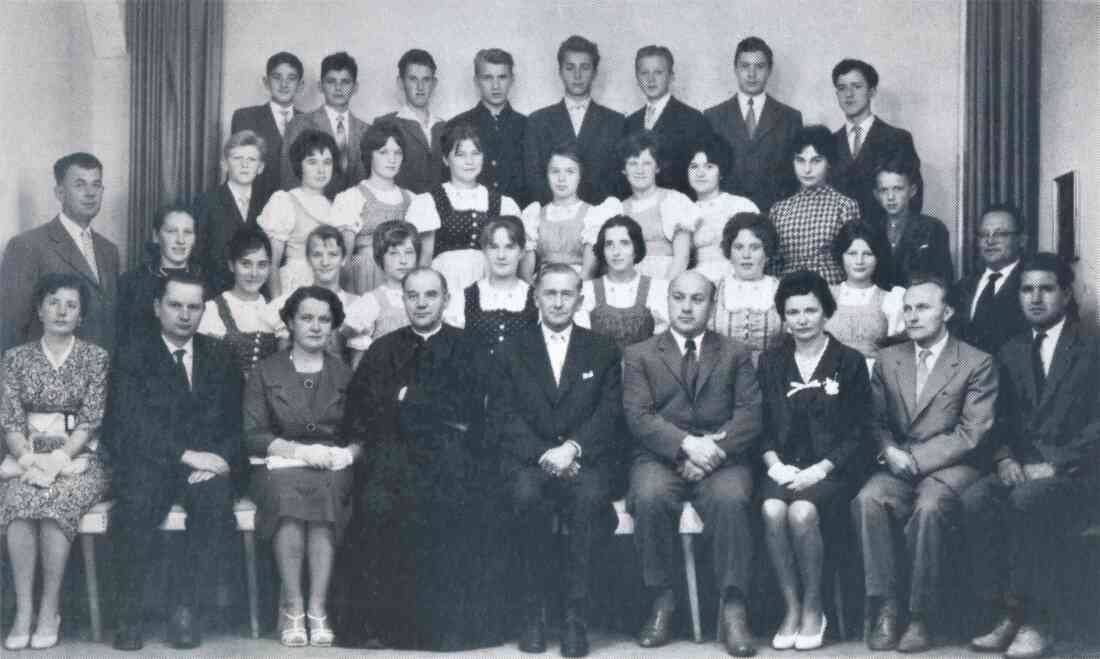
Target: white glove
[315,455]
[341,458]
[782,473]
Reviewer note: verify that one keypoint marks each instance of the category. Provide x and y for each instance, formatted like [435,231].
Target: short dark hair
[310,142]
[755,223]
[1011,210]
[510,223]
[424,268]
[804,282]
[375,138]
[79,159]
[570,149]
[185,277]
[753,45]
[340,61]
[52,282]
[654,51]
[819,138]
[392,233]
[936,279]
[173,207]
[290,307]
[1049,262]
[283,57]
[633,229]
[245,138]
[415,56]
[901,165]
[852,231]
[634,144]
[715,148]
[578,44]
[325,233]
[494,56]
[458,133]
[557,269]
[248,238]
[848,65]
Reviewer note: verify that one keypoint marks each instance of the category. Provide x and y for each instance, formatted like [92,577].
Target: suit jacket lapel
[1065,356]
[708,359]
[270,126]
[68,250]
[538,362]
[670,355]
[906,381]
[417,133]
[941,374]
[574,357]
[230,203]
[588,124]
[767,120]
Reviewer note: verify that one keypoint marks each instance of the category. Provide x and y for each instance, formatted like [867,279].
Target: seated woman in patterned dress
[289,217]
[560,232]
[396,246]
[51,407]
[667,217]
[451,217]
[866,314]
[360,211]
[745,306]
[239,316]
[293,408]
[709,160]
[808,221]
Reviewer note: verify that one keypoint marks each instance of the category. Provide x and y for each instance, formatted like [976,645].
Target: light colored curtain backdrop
[176,52]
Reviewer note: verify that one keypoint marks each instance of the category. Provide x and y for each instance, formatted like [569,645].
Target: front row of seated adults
[392,475]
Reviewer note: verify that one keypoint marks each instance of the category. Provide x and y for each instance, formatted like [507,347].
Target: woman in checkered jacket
[808,221]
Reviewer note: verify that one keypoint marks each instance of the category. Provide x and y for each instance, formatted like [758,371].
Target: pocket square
[587,374]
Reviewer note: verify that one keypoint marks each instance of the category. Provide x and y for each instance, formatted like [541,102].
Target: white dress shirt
[1046,350]
[283,116]
[188,355]
[333,117]
[557,345]
[80,235]
[865,128]
[1006,272]
[758,101]
[426,127]
[576,110]
[653,111]
[681,342]
[935,350]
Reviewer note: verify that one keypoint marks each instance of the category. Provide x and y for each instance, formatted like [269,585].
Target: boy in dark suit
[678,125]
[422,168]
[918,243]
[596,129]
[284,81]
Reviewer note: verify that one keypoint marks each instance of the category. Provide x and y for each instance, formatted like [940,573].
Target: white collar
[865,125]
[333,114]
[188,348]
[548,334]
[239,190]
[758,101]
[1052,334]
[407,112]
[427,335]
[1005,272]
[74,229]
[935,349]
[681,341]
[659,105]
[579,105]
[278,110]
[60,361]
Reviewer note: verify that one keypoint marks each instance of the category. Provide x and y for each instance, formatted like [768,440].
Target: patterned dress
[807,223]
[360,210]
[624,326]
[246,348]
[864,317]
[561,233]
[745,311]
[33,388]
[489,327]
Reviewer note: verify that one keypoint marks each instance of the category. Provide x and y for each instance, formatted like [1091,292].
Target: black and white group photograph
[507,328]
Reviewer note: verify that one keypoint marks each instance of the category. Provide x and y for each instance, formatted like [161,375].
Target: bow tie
[798,386]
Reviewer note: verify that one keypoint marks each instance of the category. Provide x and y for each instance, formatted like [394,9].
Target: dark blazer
[679,127]
[259,119]
[599,141]
[1062,426]
[318,120]
[422,166]
[502,141]
[49,248]
[838,423]
[530,414]
[1006,321]
[855,178]
[944,430]
[924,247]
[153,417]
[763,169]
[218,218]
[660,410]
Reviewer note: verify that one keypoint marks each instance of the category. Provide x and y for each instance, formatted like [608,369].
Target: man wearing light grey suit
[933,401]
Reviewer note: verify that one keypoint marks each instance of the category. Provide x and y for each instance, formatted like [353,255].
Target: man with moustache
[422,165]
[694,407]
[1047,435]
[933,401]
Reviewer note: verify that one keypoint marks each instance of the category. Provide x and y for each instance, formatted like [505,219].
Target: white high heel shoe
[41,640]
[802,642]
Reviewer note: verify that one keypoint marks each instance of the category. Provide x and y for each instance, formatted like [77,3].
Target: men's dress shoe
[658,629]
[807,642]
[128,637]
[915,638]
[532,638]
[884,633]
[574,637]
[183,630]
[1031,642]
[735,630]
[997,640]
[45,638]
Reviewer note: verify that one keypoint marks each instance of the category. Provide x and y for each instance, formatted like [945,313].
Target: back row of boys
[758,128]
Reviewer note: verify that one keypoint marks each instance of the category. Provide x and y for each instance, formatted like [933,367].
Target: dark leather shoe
[574,636]
[1031,642]
[915,638]
[128,637]
[998,639]
[735,630]
[532,638]
[183,630]
[884,633]
[658,629]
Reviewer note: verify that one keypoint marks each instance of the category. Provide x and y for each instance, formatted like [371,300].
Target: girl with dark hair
[711,159]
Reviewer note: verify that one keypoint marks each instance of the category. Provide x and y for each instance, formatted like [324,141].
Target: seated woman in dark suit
[293,406]
[816,401]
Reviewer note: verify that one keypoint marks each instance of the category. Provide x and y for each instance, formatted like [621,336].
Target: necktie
[284,122]
[242,205]
[857,139]
[88,248]
[1037,363]
[689,367]
[650,114]
[342,142]
[750,119]
[922,370]
[557,358]
[178,354]
[985,300]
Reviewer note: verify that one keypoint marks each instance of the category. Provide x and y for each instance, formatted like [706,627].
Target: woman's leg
[810,549]
[55,554]
[321,552]
[23,554]
[289,544]
[779,548]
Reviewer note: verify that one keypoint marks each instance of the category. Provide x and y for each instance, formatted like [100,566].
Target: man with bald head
[693,407]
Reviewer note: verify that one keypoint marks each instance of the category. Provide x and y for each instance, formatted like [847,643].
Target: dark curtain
[175,51]
[1002,113]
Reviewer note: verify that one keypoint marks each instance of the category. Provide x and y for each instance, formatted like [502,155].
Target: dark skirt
[824,494]
[317,496]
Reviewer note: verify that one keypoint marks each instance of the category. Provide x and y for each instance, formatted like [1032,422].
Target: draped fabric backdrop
[1002,114]
[176,49]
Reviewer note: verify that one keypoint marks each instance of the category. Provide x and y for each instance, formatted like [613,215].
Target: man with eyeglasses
[988,301]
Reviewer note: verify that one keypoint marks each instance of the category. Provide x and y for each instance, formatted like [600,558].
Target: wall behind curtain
[914,46]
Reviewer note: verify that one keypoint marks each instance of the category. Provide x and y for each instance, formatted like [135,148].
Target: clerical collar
[426,335]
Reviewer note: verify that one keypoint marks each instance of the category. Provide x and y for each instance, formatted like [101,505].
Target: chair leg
[838,602]
[249,538]
[87,543]
[692,586]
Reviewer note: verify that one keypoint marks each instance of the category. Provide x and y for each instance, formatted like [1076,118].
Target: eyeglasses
[998,235]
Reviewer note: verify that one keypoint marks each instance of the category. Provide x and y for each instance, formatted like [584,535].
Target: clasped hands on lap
[796,479]
[204,466]
[1012,472]
[703,456]
[317,456]
[561,461]
[41,469]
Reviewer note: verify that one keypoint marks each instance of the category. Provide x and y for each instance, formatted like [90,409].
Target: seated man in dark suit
[284,80]
[989,302]
[932,403]
[866,141]
[678,125]
[173,428]
[919,244]
[422,166]
[555,428]
[596,129]
[1048,432]
[695,410]
[500,127]
[760,129]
